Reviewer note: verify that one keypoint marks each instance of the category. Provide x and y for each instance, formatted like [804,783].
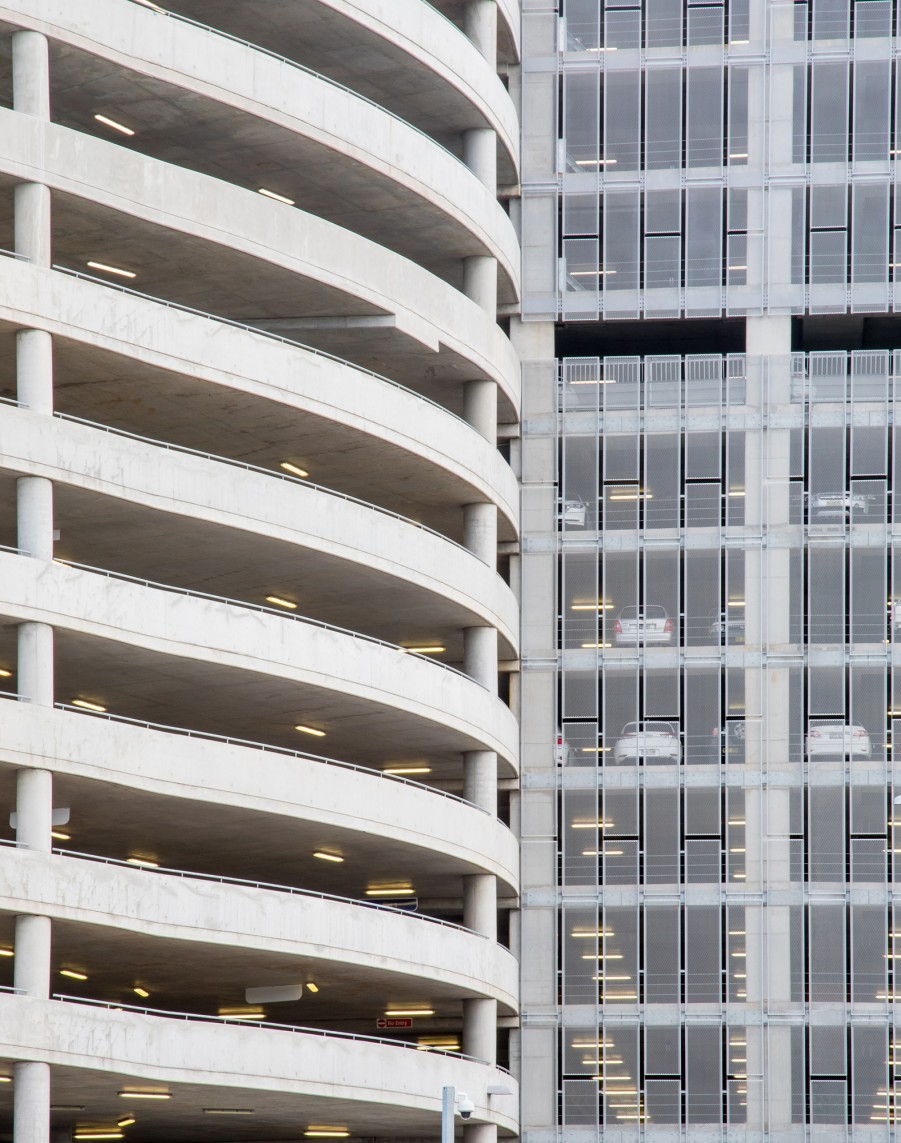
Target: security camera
[465,1105]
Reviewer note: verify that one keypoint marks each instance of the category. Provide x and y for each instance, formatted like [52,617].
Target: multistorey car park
[258,530]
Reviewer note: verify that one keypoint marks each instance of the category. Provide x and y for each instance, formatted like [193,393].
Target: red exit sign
[394,1022]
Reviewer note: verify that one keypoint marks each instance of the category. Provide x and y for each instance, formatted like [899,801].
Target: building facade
[258,413]
[710,608]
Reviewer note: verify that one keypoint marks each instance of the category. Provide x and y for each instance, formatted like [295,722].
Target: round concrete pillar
[34,370]
[31,1103]
[480,1029]
[480,532]
[31,207]
[480,26]
[480,155]
[480,904]
[35,663]
[480,282]
[34,809]
[34,507]
[32,948]
[31,74]
[480,656]
[480,407]
[480,779]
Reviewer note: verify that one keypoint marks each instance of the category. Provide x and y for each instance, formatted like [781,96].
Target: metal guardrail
[267,747]
[259,607]
[293,890]
[257,468]
[324,1033]
[300,67]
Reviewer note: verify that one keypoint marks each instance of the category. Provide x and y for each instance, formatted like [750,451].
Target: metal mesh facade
[751,500]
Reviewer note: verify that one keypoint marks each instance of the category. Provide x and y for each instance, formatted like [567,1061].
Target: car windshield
[649,611]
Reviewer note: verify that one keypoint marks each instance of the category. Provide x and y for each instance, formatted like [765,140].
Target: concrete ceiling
[210,698]
[178,267]
[196,132]
[119,821]
[199,978]
[318,37]
[278,1117]
[117,535]
[164,405]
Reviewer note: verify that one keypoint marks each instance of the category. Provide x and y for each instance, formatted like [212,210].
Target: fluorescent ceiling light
[7,952]
[390,891]
[143,862]
[312,986]
[310,730]
[126,1122]
[431,649]
[407,770]
[409,1012]
[65,1106]
[277,197]
[60,836]
[128,1093]
[115,124]
[242,1013]
[280,601]
[5,674]
[326,1133]
[85,704]
[294,469]
[325,856]
[72,974]
[228,1111]
[98,1135]
[9,1079]
[107,269]
[142,992]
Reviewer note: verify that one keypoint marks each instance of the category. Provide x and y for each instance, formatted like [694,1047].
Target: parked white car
[838,505]
[838,738]
[648,624]
[649,742]
[894,617]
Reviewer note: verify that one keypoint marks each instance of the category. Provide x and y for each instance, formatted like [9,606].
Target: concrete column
[32,949]
[480,532]
[31,96]
[35,663]
[480,904]
[34,495]
[480,155]
[31,74]
[480,779]
[34,809]
[31,1103]
[480,282]
[480,404]
[34,370]
[480,1133]
[480,26]
[32,222]
[480,656]
[480,1029]
[768,631]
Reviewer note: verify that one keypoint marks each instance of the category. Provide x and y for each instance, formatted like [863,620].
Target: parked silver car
[647,624]
[840,739]
[648,742]
[838,505]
